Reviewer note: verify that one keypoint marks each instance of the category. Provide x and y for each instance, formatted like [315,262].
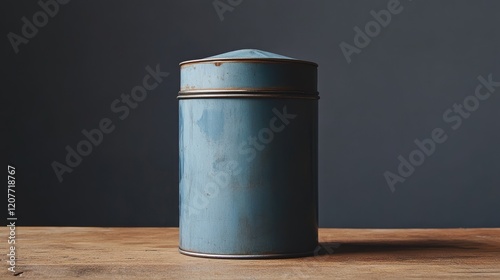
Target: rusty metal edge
[256,256]
[248,95]
[247,90]
[252,60]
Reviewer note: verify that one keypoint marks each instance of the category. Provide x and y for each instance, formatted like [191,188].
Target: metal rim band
[256,256]
[246,60]
[279,90]
[249,95]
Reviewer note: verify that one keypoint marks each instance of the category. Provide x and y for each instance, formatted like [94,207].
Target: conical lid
[248,71]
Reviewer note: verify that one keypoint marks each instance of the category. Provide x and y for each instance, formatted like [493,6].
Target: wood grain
[145,253]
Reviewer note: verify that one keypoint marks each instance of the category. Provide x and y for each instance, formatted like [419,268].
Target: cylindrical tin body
[248,156]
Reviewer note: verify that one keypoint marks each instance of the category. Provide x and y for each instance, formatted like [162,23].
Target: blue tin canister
[248,140]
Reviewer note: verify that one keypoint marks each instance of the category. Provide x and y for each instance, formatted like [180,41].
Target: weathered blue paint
[250,75]
[248,163]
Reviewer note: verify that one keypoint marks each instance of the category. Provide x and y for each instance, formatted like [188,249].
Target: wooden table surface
[145,253]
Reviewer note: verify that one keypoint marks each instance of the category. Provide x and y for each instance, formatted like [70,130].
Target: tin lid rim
[258,60]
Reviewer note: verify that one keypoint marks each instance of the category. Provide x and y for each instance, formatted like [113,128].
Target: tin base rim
[251,256]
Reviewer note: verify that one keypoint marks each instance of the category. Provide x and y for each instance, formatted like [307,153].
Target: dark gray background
[371,110]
